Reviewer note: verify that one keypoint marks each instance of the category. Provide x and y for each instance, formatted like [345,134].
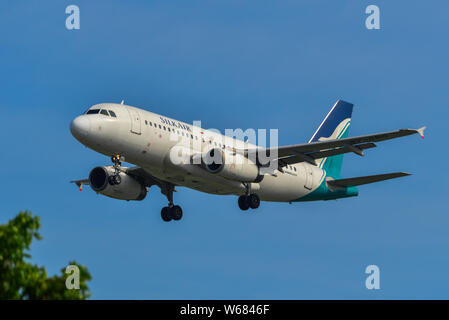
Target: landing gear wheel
[243,203]
[171,212]
[176,213]
[165,214]
[117,179]
[114,180]
[254,201]
[111,180]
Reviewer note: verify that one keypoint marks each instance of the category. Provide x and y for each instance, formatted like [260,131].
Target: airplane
[217,164]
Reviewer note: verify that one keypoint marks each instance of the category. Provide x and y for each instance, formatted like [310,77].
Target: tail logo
[338,133]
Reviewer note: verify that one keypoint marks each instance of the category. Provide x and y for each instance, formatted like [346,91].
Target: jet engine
[127,188]
[232,166]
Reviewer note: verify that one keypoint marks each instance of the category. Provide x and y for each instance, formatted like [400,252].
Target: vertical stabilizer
[334,126]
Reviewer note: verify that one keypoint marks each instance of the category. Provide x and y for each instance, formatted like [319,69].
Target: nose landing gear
[117,161]
[171,212]
[115,179]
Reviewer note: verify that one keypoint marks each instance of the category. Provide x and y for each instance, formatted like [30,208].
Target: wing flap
[323,154]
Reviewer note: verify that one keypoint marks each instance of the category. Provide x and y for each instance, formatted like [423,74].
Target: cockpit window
[93,111]
[112,113]
[105,112]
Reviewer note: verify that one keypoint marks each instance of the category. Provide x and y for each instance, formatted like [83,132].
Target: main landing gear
[171,212]
[117,161]
[249,200]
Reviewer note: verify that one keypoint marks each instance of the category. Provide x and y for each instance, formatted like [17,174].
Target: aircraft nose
[80,127]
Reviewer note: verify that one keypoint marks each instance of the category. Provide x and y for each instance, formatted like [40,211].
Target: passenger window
[151,124]
[146,122]
[160,127]
[164,127]
[294,168]
[191,136]
[112,113]
[168,129]
[93,111]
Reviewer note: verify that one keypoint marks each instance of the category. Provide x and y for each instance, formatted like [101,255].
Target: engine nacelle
[232,166]
[128,189]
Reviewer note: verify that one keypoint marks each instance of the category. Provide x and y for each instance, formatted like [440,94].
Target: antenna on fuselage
[123,101]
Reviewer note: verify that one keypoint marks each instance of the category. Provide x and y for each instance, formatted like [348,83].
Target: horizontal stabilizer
[352,182]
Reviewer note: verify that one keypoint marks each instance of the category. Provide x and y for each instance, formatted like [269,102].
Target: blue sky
[232,64]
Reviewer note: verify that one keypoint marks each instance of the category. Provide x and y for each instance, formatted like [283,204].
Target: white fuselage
[146,139]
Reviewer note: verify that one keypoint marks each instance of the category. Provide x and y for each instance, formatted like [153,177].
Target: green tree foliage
[19,278]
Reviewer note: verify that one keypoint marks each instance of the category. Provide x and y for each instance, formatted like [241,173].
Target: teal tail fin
[334,126]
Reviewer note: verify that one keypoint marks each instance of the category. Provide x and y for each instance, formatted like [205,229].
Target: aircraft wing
[308,152]
[143,176]
[81,183]
[149,180]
